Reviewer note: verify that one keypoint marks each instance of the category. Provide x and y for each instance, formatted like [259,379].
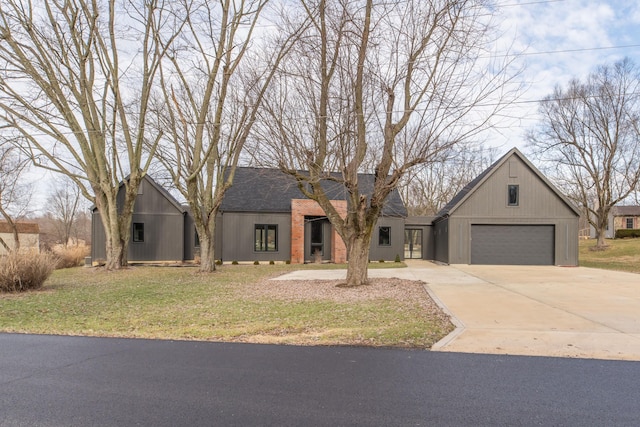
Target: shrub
[288,262]
[627,232]
[234,262]
[21,272]
[381,261]
[256,262]
[398,258]
[218,262]
[272,262]
[71,256]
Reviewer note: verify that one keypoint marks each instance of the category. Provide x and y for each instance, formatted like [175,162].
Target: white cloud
[578,28]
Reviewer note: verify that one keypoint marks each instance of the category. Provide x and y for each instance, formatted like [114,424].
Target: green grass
[621,255]
[180,303]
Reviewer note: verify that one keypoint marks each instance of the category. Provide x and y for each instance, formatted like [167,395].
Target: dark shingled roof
[23,227]
[271,190]
[625,211]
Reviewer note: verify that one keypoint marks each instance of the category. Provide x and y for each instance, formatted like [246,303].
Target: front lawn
[622,255]
[237,303]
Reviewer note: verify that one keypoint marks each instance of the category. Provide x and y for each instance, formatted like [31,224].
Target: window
[196,239]
[513,196]
[629,222]
[384,236]
[138,232]
[266,238]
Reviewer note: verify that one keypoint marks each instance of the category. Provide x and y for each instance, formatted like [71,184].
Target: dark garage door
[512,244]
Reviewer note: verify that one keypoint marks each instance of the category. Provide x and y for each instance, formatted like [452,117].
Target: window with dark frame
[384,236]
[266,238]
[629,222]
[138,232]
[513,195]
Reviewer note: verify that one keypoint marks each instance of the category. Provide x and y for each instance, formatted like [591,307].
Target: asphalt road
[75,381]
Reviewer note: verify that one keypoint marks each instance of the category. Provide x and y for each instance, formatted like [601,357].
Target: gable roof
[23,227]
[158,187]
[165,193]
[472,186]
[271,190]
[625,211]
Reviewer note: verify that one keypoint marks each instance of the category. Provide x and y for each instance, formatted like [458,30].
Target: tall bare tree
[590,132]
[75,82]
[427,188]
[211,95]
[380,87]
[15,193]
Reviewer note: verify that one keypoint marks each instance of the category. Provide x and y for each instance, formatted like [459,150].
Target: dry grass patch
[237,303]
[620,255]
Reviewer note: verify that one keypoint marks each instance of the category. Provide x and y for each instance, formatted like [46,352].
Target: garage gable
[509,214]
[512,176]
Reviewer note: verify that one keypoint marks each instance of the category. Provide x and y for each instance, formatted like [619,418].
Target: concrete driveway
[535,310]
[529,310]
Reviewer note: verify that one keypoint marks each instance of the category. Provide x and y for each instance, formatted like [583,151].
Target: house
[159,227]
[509,214]
[265,217]
[28,235]
[620,217]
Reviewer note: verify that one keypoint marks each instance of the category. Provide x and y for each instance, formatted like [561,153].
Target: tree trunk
[207,253]
[601,228]
[117,229]
[358,253]
[116,254]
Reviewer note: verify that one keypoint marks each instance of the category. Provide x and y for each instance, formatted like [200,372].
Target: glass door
[413,244]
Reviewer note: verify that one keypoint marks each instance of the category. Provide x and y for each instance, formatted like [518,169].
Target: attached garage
[509,214]
[513,244]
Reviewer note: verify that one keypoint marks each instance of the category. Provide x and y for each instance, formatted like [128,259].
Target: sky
[558,40]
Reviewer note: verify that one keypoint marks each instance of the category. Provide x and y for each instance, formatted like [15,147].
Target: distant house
[620,217]
[509,214]
[28,235]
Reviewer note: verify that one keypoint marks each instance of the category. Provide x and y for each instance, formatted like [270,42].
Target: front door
[317,239]
[413,244]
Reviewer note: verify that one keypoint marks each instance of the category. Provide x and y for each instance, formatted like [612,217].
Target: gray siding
[566,237]
[98,238]
[237,234]
[388,253]
[537,199]
[441,239]
[163,238]
[163,223]
[538,205]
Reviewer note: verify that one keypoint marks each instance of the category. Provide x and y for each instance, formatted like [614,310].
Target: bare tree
[211,95]
[590,132]
[427,188]
[379,87]
[63,207]
[75,82]
[15,193]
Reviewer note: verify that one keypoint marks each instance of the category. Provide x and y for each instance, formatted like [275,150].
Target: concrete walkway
[528,310]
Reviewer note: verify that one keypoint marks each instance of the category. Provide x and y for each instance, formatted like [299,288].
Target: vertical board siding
[538,205]
[238,236]
[388,253]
